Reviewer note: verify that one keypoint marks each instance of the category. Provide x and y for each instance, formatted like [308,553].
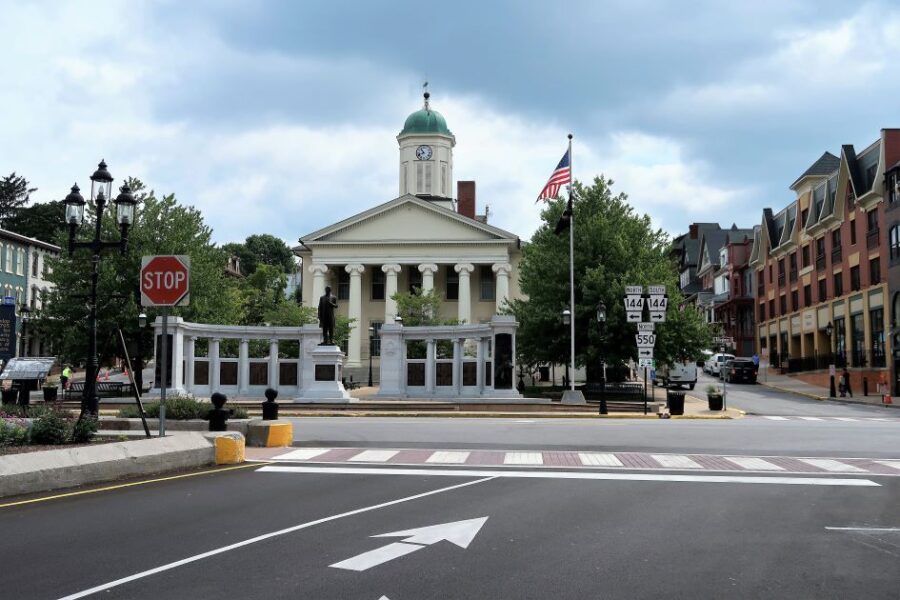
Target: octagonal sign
[165,280]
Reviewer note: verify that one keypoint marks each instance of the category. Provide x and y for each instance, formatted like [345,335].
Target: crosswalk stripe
[773,418]
[831,465]
[447,457]
[851,419]
[755,464]
[374,456]
[674,461]
[890,463]
[523,458]
[599,459]
[879,419]
[811,418]
[302,454]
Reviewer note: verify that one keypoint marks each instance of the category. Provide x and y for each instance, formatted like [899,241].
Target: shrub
[239,412]
[84,429]
[13,432]
[179,408]
[49,429]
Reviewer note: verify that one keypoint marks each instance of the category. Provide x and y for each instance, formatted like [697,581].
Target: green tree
[162,226]
[262,249]
[614,247]
[14,194]
[44,221]
[263,292]
[419,308]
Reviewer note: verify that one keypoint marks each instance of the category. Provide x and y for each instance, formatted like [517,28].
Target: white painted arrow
[460,533]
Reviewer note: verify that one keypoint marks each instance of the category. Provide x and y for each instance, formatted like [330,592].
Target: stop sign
[165,280]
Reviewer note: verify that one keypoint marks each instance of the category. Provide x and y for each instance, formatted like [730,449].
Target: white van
[717,362]
[682,373]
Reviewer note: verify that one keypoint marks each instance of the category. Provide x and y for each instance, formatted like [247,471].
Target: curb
[270,434]
[33,472]
[828,398]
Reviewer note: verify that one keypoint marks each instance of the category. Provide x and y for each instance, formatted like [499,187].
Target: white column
[318,272]
[214,370]
[273,363]
[429,366]
[457,366]
[427,270]
[479,370]
[244,367]
[465,292]
[501,292]
[189,344]
[354,311]
[390,288]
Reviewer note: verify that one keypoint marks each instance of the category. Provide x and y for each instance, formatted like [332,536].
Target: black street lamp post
[371,349]
[26,312]
[139,363]
[829,330]
[601,320]
[101,192]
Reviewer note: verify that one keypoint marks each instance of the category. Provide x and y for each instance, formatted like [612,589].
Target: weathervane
[427,96]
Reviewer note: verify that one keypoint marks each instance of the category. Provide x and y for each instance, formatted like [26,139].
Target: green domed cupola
[426,121]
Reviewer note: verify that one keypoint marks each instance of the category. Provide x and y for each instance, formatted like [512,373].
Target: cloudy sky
[281,117]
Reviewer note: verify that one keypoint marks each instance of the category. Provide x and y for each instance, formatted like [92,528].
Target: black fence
[820,362]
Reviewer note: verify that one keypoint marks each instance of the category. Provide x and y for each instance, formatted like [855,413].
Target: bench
[104,389]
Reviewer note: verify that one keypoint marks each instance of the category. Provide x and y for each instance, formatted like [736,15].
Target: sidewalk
[793,385]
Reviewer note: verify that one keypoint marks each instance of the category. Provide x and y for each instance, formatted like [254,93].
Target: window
[872,220]
[854,279]
[343,291]
[415,280]
[859,340]
[893,187]
[793,263]
[852,232]
[452,283]
[803,214]
[445,190]
[807,295]
[840,337]
[404,177]
[762,312]
[34,264]
[423,177]
[876,321]
[487,282]
[823,290]
[376,337]
[805,257]
[20,262]
[895,242]
[835,239]
[772,308]
[795,300]
[838,284]
[820,247]
[782,304]
[9,259]
[875,271]
[771,278]
[377,284]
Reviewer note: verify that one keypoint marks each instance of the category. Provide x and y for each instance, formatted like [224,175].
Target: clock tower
[426,156]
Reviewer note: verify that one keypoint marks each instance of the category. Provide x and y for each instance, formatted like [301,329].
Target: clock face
[423,152]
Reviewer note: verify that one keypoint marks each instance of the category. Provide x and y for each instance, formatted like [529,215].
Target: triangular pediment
[408,219]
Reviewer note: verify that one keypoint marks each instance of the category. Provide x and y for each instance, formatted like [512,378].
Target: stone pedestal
[322,371]
[573,397]
[391,368]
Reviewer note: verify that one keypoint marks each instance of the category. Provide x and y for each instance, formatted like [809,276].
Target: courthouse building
[424,238]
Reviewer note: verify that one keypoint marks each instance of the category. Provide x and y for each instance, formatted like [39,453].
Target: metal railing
[872,238]
[820,362]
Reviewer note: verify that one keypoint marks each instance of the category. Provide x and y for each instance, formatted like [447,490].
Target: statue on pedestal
[327,306]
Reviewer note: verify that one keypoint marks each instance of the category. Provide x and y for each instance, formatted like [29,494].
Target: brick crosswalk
[575,459]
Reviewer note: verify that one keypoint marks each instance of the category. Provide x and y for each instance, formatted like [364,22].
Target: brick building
[821,265]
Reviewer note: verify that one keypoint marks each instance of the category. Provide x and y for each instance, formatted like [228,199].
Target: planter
[50,394]
[715,401]
[9,396]
[675,402]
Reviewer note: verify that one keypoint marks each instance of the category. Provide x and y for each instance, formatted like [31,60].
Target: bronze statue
[327,304]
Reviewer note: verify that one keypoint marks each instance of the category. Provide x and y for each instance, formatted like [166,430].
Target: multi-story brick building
[734,290]
[821,266]
[892,216]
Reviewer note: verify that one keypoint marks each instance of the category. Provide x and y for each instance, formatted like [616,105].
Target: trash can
[675,402]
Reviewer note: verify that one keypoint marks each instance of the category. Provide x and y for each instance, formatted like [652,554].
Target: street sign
[724,340]
[657,303]
[634,303]
[634,290]
[645,363]
[657,317]
[656,290]
[165,280]
[646,327]
[645,352]
[460,533]
[645,340]
[633,317]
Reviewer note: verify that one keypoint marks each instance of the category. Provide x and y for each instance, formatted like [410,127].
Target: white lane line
[374,456]
[811,418]
[675,461]
[449,458]
[879,419]
[890,463]
[302,454]
[599,459]
[868,529]
[523,458]
[773,418]
[265,536]
[754,464]
[831,465]
[849,419]
[599,475]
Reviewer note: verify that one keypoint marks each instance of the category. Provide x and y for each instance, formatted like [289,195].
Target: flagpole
[571,269]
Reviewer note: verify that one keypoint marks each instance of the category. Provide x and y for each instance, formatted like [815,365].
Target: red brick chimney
[465,198]
[693,231]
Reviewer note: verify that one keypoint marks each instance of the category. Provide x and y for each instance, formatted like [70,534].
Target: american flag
[562,175]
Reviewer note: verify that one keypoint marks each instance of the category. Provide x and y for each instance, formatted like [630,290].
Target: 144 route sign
[634,303]
[165,280]
[657,302]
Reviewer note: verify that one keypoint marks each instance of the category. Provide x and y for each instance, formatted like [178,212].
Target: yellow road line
[131,484]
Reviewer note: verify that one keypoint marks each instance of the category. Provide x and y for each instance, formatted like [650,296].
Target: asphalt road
[263,535]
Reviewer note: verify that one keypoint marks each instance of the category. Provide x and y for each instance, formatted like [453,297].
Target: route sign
[645,363]
[646,327]
[634,290]
[645,352]
[165,280]
[656,290]
[645,340]
[657,316]
[634,303]
[656,303]
[633,317]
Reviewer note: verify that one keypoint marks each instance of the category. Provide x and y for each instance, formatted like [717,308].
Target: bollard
[269,408]
[865,386]
[218,415]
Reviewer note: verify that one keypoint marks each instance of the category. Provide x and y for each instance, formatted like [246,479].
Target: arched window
[895,309]
[894,237]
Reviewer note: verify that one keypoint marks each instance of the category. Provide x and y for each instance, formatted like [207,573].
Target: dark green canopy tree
[614,247]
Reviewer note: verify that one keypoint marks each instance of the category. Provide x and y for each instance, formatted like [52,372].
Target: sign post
[165,282]
[656,302]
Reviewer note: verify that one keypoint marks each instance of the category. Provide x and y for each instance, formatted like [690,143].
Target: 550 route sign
[165,280]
